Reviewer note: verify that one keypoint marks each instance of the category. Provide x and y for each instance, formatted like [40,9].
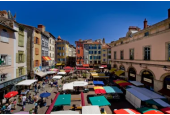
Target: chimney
[169,13]
[41,27]
[145,23]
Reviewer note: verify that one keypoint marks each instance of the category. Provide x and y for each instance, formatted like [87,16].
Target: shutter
[23,40]
[24,58]
[17,72]
[37,51]
[19,39]
[9,61]
[17,57]
[34,63]
[39,41]
[34,40]
[8,76]
[25,71]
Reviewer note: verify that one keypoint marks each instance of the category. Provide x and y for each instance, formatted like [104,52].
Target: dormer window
[146,34]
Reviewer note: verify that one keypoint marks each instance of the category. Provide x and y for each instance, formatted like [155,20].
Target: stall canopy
[91,110]
[98,74]
[46,58]
[124,84]
[98,83]
[65,112]
[146,110]
[166,110]
[41,74]
[85,65]
[81,68]
[99,100]
[63,100]
[50,72]
[112,89]
[57,77]
[53,69]
[26,82]
[120,81]
[126,111]
[136,83]
[68,86]
[79,83]
[112,70]
[99,90]
[119,72]
[100,77]
[158,102]
[61,73]
[105,66]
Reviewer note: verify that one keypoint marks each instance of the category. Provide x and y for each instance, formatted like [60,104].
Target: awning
[112,70]
[126,111]
[59,64]
[91,110]
[46,58]
[62,70]
[99,90]
[124,84]
[63,100]
[120,81]
[68,86]
[57,77]
[146,110]
[119,72]
[68,68]
[41,74]
[112,89]
[85,65]
[81,68]
[65,112]
[98,74]
[26,82]
[61,73]
[99,100]
[105,66]
[137,83]
[50,72]
[102,77]
[166,110]
[80,83]
[98,83]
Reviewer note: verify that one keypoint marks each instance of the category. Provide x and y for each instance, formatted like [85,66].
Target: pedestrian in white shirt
[24,102]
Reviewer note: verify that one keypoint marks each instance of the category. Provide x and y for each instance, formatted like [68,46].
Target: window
[99,57]
[95,52]
[131,54]
[104,60]
[169,26]
[99,47]
[3,77]
[104,50]
[36,40]
[94,57]
[114,54]
[20,40]
[59,59]
[50,47]
[169,52]
[62,48]
[90,62]
[4,36]
[36,63]
[95,47]
[90,57]
[91,52]
[146,34]
[50,54]
[36,51]
[146,53]
[50,41]
[104,55]
[109,57]
[3,59]
[21,71]
[43,53]
[20,57]
[63,54]
[78,51]
[99,62]
[46,53]
[99,52]
[63,59]
[43,43]
[121,55]
[95,62]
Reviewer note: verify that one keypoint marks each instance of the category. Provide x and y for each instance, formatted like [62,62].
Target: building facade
[79,52]
[51,50]
[144,55]
[106,54]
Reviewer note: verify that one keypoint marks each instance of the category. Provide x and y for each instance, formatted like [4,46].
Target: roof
[31,27]
[99,100]
[91,110]
[112,89]
[63,100]
[8,27]
[26,82]
[93,43]
[105,46]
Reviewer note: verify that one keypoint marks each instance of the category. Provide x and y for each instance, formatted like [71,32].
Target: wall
[104,51]
[81,54]
[52,51]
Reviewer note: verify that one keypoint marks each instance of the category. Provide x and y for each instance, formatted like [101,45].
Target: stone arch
[123,66]
[147,70]
[163,76]
[131,67]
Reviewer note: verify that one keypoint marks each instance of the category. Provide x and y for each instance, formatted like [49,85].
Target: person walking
[43,85]
[23,102]
[15,103]
[8,110]
[39,88]
[36,108]
[35,87]
[51,84]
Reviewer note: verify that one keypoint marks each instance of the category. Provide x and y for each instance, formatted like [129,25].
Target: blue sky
[88,20]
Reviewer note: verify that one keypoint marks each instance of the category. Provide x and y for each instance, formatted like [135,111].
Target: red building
[79,53]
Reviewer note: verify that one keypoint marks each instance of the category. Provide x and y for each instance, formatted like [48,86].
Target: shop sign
[168,86]
[133,75]
[148,80]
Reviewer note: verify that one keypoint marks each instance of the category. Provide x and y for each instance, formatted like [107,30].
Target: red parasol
[11,94]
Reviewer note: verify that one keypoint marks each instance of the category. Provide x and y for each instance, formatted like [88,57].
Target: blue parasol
[45,95]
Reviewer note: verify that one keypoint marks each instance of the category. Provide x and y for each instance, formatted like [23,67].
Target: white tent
[161,102]
[41,74]
[91,110]
[68,86]
[61,73]
[26,82]
[80,83]
[65,112]
[137,83]
[57,77]
[101,67]
[50,72]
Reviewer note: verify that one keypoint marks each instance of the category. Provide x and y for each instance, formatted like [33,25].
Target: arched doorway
[166,86]
[114,66]
[147,79]
[132,74]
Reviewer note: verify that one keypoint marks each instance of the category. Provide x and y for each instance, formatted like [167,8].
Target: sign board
[133,75]
[168,86]
[147,80]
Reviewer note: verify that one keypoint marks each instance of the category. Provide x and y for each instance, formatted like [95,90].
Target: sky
[74,20]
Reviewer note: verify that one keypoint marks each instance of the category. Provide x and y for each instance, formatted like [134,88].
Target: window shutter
[9,61]
[4,36]
[34,63]
[17,58]
[23,40]
[8,76]
[34,40]
[25,71]
[24,58]
[39,41]
[17,72]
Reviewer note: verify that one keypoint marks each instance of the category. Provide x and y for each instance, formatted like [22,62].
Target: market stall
[166,110]
[136,83]
[63,100]
[126,111]
[68,86]
[80,83]
[57,77]
[26,82]
[99,90]
[61,73]
[98,83]
[146,110]
[91,110]
[65,112]
[112,89]
[99,100]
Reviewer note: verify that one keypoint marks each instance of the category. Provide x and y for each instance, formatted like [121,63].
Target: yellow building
[106,54]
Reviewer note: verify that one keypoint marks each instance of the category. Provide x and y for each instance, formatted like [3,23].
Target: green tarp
[112,89]
[63,100]
[151,101]
[99,100]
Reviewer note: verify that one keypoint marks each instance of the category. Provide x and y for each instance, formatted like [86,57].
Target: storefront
[147,80]
[166,86]
[132,74]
